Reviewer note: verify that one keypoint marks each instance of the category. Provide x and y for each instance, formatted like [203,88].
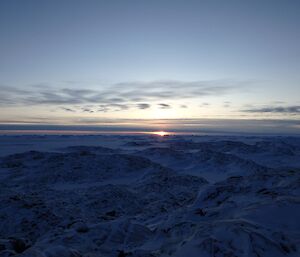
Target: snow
[149,196]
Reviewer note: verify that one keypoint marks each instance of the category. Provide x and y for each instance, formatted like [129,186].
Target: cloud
[119,107]
[164,106]
[275,109]
[103,109]
[96,108]
[67,109]
[183,106]
[87,110]
[204,104]
[176,89]
[122,94]
[226,104]
[143,106]
[112,107]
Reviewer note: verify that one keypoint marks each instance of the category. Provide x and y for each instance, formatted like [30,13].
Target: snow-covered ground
[146,195]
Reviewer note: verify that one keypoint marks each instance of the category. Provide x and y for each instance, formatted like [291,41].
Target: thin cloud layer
[276,109]
[175,125]
[117,95]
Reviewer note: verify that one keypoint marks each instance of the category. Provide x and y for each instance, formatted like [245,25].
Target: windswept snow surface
[116,196]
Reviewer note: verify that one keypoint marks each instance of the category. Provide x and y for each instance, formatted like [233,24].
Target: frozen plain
[145,195]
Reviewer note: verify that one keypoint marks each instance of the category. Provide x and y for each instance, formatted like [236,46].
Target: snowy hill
[168,197]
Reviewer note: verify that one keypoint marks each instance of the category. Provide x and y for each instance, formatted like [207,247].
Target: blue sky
[82,62]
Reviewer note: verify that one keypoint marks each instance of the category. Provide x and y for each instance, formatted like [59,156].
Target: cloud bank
[222,126]
[119,96]
[295,109]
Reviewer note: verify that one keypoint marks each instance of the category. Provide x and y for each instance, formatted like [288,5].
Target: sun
[161,133]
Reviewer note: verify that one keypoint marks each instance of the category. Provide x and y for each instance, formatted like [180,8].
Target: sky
[159,64]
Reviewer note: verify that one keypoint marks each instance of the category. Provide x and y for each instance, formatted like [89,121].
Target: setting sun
[161,133]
